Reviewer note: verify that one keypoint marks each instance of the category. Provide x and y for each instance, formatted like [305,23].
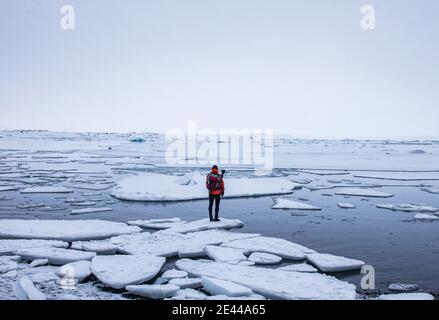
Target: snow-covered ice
[299,267]
[408,207]
[406,296]
[205,224]
[426,217]
[9,246]
[78,271]
[24,289]
[224,254]
[102,247]
[90,210]
[189,294]
[153,291]
[272,283]
[282,203]
[331,263]
[160,187]
[403,287]
[56,256]
[171,244]
[264,258]
[7,265]
[38,263]
[430,190]
[183,283]
[65,230]
[280,247]
[222,287]
[119,271]
[345,205]
[173,274]
[45,189]
[363,193]
[158,224]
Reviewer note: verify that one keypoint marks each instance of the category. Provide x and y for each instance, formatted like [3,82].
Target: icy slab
[406,296]
[119,271]
[193,251]
[408,207]
[403,287]
[153,291]
[9,246]
[186,283]
[10,275]
[160,187]
[281,203]
[264,258]
[300,267]
[7,265]
[363,193]
[9,188]
[78,271]
[272,283]
[224,254]
[158,224]
[171,244]
[431,190]
[24,289]
[345,205]
[401,176]
[324,172]
[173,274]
[66,230]
[331,263]
[90,210]
[222,287]
[55,256]
[189,294]
[205,224]
[46,190]
[283,248]
[247,263]
[425,217]
[101,247]
[38,263]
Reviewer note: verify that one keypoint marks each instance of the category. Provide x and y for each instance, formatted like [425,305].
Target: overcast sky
[299,67]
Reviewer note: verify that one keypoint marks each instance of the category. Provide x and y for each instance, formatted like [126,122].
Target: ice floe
[282,203]
[345,205]
[45,189]
[363,193]
[401,176]
[90,210]
[184,283]
[264,258]
[224,254]
[403,287]
[299,267]
[406,296]
[171,244]
[222,287]
[426,217]
[119,271]
[77,271]
[331,263]
[7,265]
[173,274]
[9,188]
[158,224]
[101,247]
[280,247]
[272,283]
[205,224]
[65,230]
[408,207]
[189,294]
[160,187]
[39,263]
[9,246]
[55,256]
[431,190]
[153,291]
[24,289]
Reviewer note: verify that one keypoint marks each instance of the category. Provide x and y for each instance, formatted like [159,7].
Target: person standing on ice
[215,185]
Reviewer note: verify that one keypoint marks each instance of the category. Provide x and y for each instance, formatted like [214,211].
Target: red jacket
[215,182]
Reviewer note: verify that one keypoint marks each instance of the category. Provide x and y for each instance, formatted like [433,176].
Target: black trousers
[212,198]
